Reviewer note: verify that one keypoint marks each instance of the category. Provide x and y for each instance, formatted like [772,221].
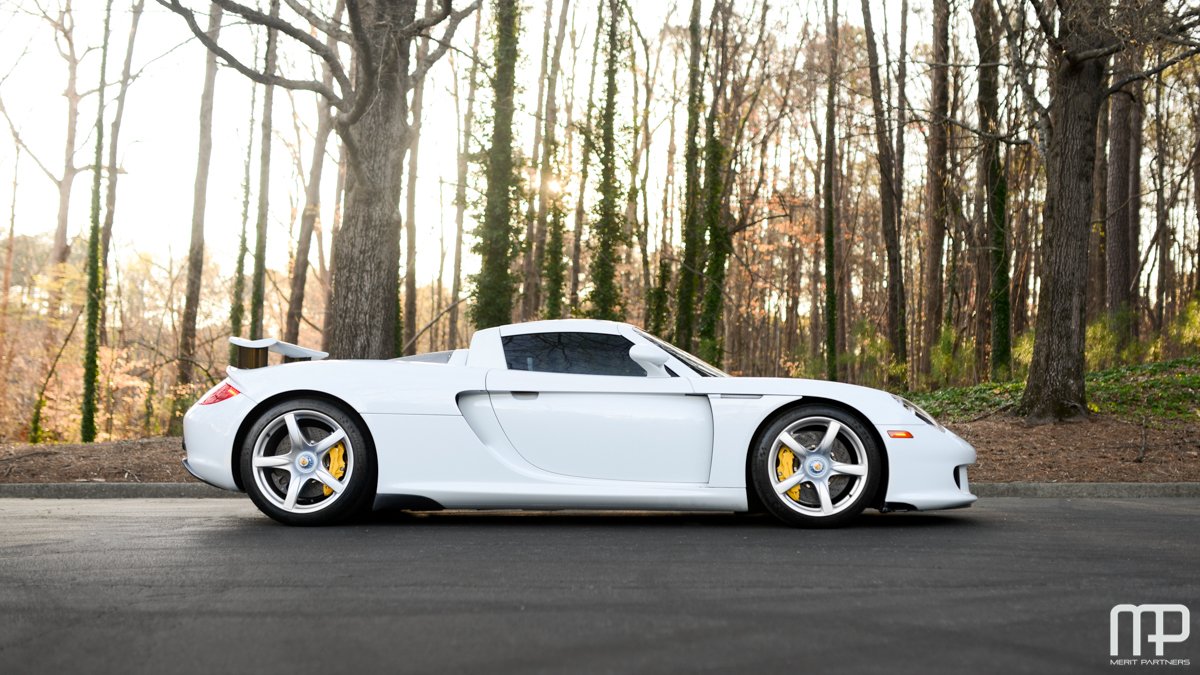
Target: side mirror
[651,358]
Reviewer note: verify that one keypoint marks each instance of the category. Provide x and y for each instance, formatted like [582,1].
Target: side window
[575,353]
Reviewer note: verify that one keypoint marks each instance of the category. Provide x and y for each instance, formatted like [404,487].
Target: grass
[1163,389]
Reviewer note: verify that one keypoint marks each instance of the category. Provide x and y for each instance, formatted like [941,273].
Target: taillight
[221,393]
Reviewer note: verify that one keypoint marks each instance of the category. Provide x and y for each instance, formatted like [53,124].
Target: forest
[904,194]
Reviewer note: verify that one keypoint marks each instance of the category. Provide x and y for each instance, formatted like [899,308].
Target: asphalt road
[164,586]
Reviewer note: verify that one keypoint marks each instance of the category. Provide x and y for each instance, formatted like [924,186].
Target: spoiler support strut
[253,353]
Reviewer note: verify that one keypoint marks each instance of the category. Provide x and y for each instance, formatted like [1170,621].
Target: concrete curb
[200,490]
[111,491]
[1087,490]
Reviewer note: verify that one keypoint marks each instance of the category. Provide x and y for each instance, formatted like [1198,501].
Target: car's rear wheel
[307,462]
[816,466]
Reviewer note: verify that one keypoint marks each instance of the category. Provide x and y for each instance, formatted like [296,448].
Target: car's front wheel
[816,466]
[307,462]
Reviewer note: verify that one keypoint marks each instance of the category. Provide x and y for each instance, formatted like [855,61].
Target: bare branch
[1044,18]
[1008,139]
[329,26]
[21,143]
[1024,77]
[444,43]
[319,48]
[366,90]
[417,27]
[1145,74]
[1097,53]
[232,61]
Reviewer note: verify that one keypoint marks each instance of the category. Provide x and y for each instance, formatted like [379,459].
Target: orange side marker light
[900,433]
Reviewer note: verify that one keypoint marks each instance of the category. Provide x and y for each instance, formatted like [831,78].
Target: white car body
[470,433]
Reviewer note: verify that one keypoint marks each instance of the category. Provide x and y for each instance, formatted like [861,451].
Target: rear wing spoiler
[253,353]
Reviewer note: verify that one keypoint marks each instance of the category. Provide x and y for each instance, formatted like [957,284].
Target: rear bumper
[209,434]
[928,471]
[197,476]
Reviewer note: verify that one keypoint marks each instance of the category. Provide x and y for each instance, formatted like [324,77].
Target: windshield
[693,362]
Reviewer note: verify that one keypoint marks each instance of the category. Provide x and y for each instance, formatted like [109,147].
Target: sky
[159,135]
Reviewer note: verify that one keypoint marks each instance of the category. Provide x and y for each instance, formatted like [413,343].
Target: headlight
[916,410]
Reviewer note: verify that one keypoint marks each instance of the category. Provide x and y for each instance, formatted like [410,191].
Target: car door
[576,404]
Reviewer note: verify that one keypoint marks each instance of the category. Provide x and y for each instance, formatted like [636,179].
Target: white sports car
[571,414]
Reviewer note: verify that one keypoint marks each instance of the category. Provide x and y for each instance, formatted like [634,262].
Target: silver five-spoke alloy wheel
[302,461]
[825,459]
[816,465]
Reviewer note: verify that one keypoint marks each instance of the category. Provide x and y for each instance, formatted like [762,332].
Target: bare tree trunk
[1166,273]
[312,206]
[361,322]
[460,194]
[373,124]
[436,286]
[529,264]
[1137,114]
[577,244]
[896,320]
[1022,262]
[815,323]
[936,184]
[1055,389]
[110,199]
[901,207]
[1118,227]
[1196,200]
[901,117]
[258,277]
[237,295]
[339,201]
[408,343]
[65,27]
[831,295]
[995,196]
[187,332]
[536,250]
[8,257]
[658,300]
[1097,268]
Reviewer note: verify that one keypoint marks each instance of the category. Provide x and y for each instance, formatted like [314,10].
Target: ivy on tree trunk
[95,275]
[605,297]
[494,284]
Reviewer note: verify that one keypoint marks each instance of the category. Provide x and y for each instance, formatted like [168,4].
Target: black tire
[853,450]
[269,441]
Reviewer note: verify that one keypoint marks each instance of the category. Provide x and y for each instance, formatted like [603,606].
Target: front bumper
[928,471]
[209,434]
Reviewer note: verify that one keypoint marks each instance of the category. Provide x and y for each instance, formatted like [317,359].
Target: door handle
[525,395]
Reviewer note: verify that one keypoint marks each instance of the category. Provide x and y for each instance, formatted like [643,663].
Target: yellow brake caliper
[337,465]
[786,469]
